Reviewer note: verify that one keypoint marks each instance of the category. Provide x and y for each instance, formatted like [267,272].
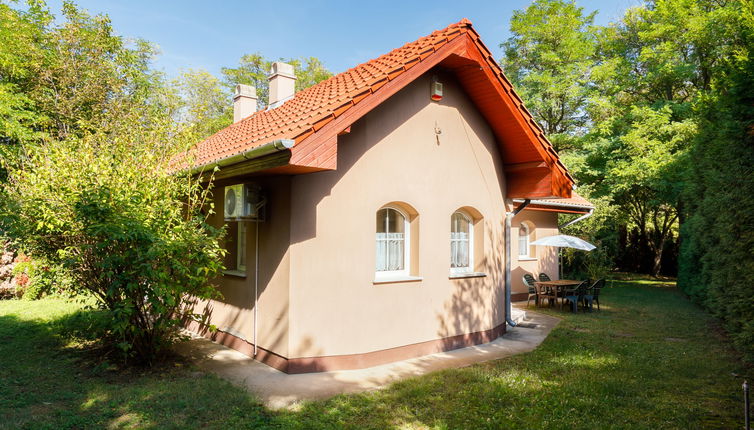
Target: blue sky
[214,34]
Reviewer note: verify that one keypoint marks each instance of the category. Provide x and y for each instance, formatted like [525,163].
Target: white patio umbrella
[564,241]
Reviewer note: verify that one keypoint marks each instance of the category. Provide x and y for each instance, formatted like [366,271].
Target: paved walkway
[280,390]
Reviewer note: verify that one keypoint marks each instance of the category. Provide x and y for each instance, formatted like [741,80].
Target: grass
[649,360]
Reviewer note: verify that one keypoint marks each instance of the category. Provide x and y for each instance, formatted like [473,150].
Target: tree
[63,80]
[203,104]
[254,70]
[89,134]
[654,65]
[716,259]
[548,59]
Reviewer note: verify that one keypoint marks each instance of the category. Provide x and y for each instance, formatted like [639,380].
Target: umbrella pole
[560,264]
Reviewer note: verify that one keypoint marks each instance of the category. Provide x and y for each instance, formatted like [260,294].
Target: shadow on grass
[643,362]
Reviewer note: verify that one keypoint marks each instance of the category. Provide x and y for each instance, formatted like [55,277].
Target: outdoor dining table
[559,285]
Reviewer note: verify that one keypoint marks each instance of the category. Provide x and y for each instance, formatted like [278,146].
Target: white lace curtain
[390,251]
[459,249]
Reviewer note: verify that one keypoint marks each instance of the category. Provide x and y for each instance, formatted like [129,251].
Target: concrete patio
[280,390]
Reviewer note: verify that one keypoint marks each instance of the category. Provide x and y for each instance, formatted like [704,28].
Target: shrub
[108,210]
[36,278]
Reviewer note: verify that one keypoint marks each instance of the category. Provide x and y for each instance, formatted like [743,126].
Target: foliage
[636,364]
[548,59]
[253,69]
[597,230]
[37,278]
[203,106]
[64,79]
[717,267]
[108,210]
[631,88]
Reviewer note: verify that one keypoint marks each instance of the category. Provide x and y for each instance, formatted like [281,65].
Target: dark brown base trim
[350,361]
[519,297]
[244,347]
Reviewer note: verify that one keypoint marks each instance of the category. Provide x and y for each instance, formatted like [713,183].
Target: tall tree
[549,58]
[655,64]
[65,79]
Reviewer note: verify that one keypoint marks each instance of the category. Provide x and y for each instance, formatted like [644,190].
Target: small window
[461,243]
[241,251]
[392,241]
[235,244]
[525,237]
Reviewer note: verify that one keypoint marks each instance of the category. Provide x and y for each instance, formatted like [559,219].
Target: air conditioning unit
[244,202]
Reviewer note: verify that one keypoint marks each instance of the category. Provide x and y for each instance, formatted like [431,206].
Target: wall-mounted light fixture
[436,89]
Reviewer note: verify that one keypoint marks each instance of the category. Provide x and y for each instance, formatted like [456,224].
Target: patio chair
[574,296]
[592,294]
[533,291]
[543,292]
[543,277]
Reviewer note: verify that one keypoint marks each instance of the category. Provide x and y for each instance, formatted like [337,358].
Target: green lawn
[649,360]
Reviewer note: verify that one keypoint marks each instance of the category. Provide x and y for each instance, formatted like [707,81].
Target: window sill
[467,275]
[396,279]
[237,273]
[526,259]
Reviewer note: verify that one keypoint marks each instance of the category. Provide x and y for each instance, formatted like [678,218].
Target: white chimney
[244,102]
[282,83]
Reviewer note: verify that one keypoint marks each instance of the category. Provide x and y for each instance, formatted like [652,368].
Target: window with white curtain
[461,243]
[392,243]
[523,240]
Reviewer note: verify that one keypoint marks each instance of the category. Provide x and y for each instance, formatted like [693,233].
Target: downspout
[256,283]
[574,221]
[508,221]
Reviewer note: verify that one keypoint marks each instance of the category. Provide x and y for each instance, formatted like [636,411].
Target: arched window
[392,242]
[525,237]
[461,243]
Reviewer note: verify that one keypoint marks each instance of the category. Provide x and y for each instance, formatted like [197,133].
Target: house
[367,215]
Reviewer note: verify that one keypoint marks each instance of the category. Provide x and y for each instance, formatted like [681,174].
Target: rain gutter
[256,152]
[574,221]
[508,222]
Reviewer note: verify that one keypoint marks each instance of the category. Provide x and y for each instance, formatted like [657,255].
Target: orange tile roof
[348,94]
[312,108]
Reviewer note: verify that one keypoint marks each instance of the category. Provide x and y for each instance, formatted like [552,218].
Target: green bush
[716,264]
[108,210]
[40,278]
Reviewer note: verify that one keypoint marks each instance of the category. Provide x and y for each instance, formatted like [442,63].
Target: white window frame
[241,247]
[523,251]
[470,267]
[405,272]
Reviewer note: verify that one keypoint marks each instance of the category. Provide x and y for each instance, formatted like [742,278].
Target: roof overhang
[559,205]
[532,168]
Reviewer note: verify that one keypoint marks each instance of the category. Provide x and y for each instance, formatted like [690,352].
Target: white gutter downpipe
[574,221]
[508,221]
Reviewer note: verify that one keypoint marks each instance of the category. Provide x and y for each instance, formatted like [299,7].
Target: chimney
[282,83]
[244,102]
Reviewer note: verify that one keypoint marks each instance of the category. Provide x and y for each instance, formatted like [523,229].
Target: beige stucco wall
[545,259]
[234,312]
[393,154]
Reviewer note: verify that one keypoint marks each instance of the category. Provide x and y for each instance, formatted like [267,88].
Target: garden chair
[574,296]
[540,291]
[592,294]
[533,290]
[543,277]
